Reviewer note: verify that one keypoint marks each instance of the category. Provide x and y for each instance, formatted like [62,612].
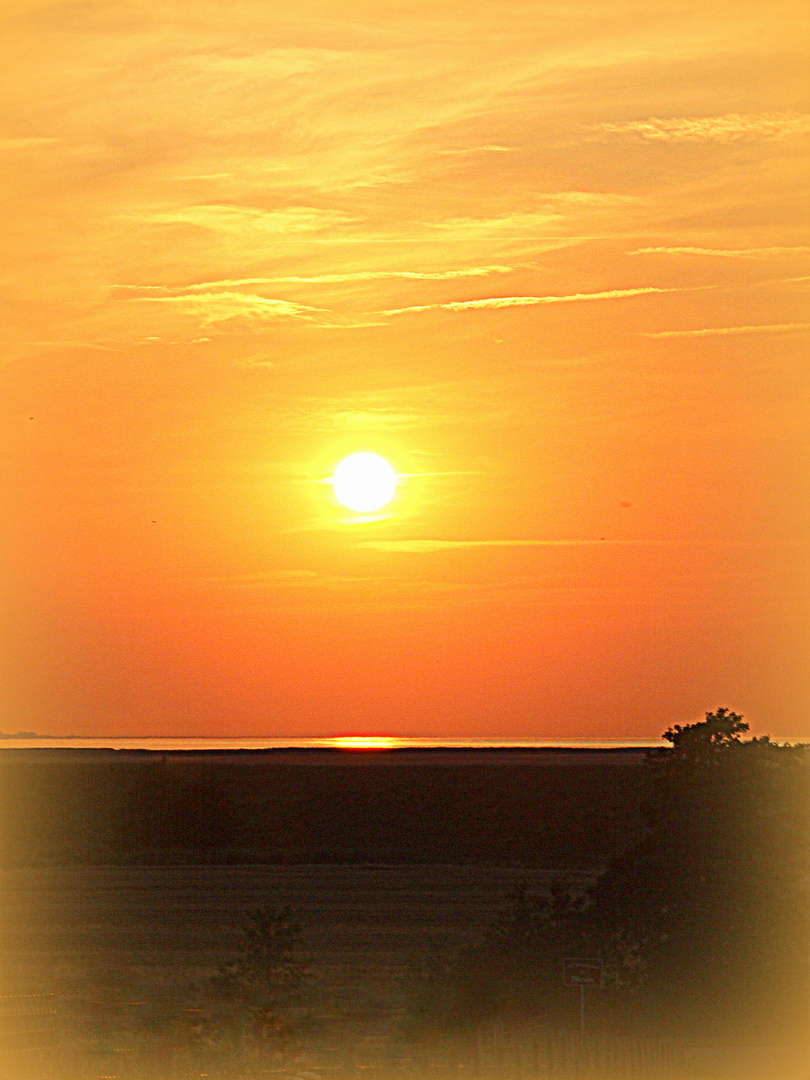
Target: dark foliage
[513,973]
[246,1014]
[702,925]
[706,922]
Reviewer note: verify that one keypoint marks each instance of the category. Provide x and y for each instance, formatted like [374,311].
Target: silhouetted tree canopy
[703,926]
[246,1012]
[707,920]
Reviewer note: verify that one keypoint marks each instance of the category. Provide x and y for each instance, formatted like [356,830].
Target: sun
[364,742]
[364,482]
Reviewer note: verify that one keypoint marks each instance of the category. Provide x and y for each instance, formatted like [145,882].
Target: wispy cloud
[528,301]
[383,592]
[714,331]
[247,219]
[219,306]
[424,546]
[264,64]
[263,577]
[32,142]
[215,307]
[494,148]
[287,580]
[730,127]
[554,209]
[728,253]
[321,279]
[96,345]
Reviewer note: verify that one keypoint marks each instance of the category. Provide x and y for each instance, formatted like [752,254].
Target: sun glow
[364,742]
[364,482]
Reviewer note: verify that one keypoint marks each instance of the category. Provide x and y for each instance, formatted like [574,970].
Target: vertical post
[582,1008]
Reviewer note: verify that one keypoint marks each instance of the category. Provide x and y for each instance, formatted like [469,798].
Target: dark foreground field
[499,808]
[126,877]
[101,935]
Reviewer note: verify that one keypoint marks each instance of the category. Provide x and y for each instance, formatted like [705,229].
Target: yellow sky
[551,260]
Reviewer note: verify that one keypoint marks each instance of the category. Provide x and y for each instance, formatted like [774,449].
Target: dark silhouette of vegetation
[247,1014]
[703,925]
[706,922]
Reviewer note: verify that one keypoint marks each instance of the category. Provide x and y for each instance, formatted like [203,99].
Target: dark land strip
[543,809]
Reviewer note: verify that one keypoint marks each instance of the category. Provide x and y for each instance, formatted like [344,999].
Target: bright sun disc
[364,742]
[364,482]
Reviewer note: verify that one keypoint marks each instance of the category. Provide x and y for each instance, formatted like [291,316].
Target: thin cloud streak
[238,220]
[288,580]
[728,253]
[72,345]
[219,307]
[31,142]
[215,307]
[529,301]
[326,279]
[495,148]
[419,547]
[730,127]
[714,331]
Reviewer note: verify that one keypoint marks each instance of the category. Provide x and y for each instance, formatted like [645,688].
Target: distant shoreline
[303,757]
[394,742]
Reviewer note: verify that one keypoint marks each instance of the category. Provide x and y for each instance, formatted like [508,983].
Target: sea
[26,741]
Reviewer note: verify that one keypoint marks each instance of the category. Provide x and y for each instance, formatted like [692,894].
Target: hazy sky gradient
[551,260]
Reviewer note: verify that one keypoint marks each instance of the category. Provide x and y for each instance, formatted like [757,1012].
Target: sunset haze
[550,261]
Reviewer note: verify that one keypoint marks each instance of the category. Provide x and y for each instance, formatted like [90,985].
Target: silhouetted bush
[702,925]
[246,1017]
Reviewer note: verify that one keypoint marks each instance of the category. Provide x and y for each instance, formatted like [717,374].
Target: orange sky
[550,259]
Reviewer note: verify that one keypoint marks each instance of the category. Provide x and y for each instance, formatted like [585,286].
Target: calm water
[11,742]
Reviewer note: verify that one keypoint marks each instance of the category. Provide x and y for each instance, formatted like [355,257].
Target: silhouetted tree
[246,1011]
[513,971]
[703,925]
